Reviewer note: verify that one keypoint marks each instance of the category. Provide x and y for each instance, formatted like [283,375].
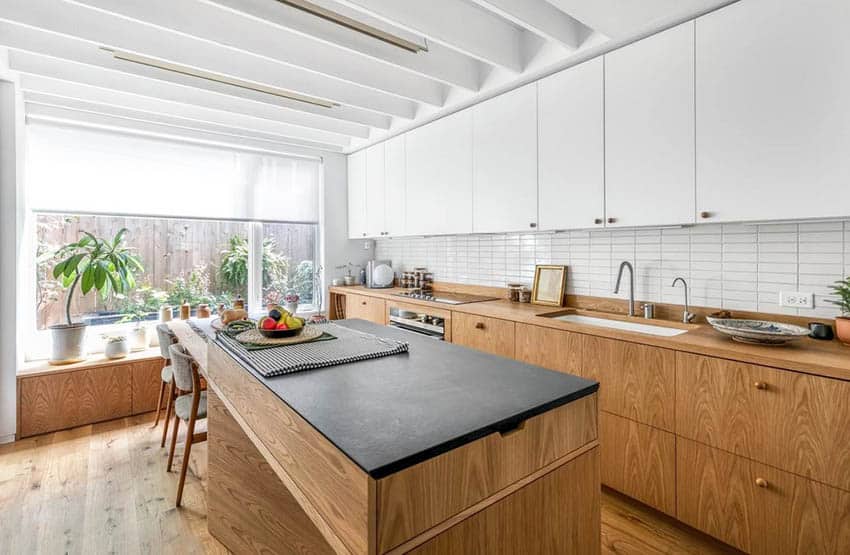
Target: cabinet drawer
[424,495]
[549,348]
[366,308]
[758,508]
[490,335]
[557,513]
[639,461]
[790,420]
[637,381]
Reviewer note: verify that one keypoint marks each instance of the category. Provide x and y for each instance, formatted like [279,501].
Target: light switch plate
[796,299]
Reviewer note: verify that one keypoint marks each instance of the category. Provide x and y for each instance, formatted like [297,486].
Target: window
[208,223]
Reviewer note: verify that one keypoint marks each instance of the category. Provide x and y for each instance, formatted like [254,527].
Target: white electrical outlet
[796,299]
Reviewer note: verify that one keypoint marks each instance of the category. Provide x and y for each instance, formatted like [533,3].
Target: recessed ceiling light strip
[355,25]
[201,74]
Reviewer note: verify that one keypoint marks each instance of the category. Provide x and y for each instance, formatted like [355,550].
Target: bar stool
[166,339]
[189,407]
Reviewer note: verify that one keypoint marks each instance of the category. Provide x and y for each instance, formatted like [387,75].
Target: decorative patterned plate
[759,332]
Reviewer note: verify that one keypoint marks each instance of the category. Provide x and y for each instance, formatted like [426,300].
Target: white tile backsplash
[734,266]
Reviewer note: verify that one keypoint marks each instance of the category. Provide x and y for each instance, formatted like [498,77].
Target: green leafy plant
[106,266]
[233,271]
[842,289]
[303,279]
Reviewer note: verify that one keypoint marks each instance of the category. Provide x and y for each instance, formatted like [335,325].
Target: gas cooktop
[444,297]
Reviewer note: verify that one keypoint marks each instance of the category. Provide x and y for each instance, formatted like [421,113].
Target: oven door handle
[418,331]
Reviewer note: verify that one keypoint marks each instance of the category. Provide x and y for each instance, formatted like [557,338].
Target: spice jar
[525,295]
[514,292]
[166,313]
[185,310]
[239,303]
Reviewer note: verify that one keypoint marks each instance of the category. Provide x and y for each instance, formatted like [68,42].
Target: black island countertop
[390,413]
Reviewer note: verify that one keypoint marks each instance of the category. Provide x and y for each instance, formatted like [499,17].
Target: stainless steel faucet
[627,264]
[686,316]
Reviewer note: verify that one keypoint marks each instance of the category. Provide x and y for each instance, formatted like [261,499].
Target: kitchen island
[439,450]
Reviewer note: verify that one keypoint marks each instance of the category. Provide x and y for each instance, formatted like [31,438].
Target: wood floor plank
[104,489]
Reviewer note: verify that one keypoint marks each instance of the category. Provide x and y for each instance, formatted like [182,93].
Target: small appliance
[379,274]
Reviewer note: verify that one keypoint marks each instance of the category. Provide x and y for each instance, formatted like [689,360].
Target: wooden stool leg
[173,442]
[168,409]
[186,451]
[159,402]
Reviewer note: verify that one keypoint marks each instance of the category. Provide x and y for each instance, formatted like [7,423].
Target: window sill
[42,367]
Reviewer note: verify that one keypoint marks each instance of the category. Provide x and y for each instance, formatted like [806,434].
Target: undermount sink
[648,329]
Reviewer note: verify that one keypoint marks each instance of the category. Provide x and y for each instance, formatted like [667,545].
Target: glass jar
[514,292]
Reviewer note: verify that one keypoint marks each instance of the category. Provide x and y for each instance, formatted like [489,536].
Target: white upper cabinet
[649,130]
[357,195]
[504,162]
[395,183]
[375,191]
[773,110]
[439,176]
[571,161]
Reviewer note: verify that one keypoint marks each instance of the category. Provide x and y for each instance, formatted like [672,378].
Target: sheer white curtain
[76,169]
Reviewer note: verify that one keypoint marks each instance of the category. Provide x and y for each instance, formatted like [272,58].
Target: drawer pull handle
[363,303]
[761,482]
[479,325]
[760,385]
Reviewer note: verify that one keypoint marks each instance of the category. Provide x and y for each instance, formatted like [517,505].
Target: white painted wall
[11,226]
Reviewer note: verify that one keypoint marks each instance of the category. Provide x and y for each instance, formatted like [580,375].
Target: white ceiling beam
[440,63]
[199,121]
[37,112]
[61,78]
[119,33]
[211,22]
[541,18]
[453,23]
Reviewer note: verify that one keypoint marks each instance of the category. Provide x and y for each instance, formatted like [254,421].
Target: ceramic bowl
[759,332]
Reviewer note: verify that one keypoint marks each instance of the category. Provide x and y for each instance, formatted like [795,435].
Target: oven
[418,321]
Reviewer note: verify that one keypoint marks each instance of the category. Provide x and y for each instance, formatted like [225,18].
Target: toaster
[379,274]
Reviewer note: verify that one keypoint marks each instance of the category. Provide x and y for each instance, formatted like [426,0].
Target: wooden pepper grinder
[185,309]
[239,303]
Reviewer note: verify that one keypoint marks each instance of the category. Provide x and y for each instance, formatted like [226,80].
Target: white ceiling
[475,49]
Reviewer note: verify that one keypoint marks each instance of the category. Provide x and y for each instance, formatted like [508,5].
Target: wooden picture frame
[550,283]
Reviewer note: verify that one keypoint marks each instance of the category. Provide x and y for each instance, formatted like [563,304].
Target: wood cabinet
[758,508]
[638,381]
[571,148]
[146,379]
[357,195]
[375,191]
[773,114]
[439,176]
[490,335]
[649,130]
[796,422]
[638,460]
[395,182]
[366,308]
[549,348]
[504,162]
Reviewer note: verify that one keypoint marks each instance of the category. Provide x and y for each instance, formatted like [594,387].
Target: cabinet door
[396,184]
[375,191]
[357,195]
[637,381]
[366,308]
[490,335]
[639,460]
[439,176]
[773,114]
[504,141]
[549,348]
[571,154]
[649,130]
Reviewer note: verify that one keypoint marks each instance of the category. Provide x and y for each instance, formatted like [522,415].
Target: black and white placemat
[349,346]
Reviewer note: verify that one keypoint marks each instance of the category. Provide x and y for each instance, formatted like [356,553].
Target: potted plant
[106,266]
[842,323]
[116,346]
[138,335]
[291,301]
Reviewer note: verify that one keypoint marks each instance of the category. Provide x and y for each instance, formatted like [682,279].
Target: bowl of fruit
[280,323]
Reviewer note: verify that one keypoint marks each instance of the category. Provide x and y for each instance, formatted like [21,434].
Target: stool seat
[167,373]
[183,406]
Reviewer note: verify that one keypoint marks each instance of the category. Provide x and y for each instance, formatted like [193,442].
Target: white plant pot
[116,349]
[292,308]
[138,338]
[68,343]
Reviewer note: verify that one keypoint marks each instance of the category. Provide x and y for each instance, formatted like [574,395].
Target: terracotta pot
[842,329]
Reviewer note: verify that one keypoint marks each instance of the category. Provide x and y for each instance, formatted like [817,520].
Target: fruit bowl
[277,334]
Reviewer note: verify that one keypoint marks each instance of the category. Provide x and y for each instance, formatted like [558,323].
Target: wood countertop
[823,358]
